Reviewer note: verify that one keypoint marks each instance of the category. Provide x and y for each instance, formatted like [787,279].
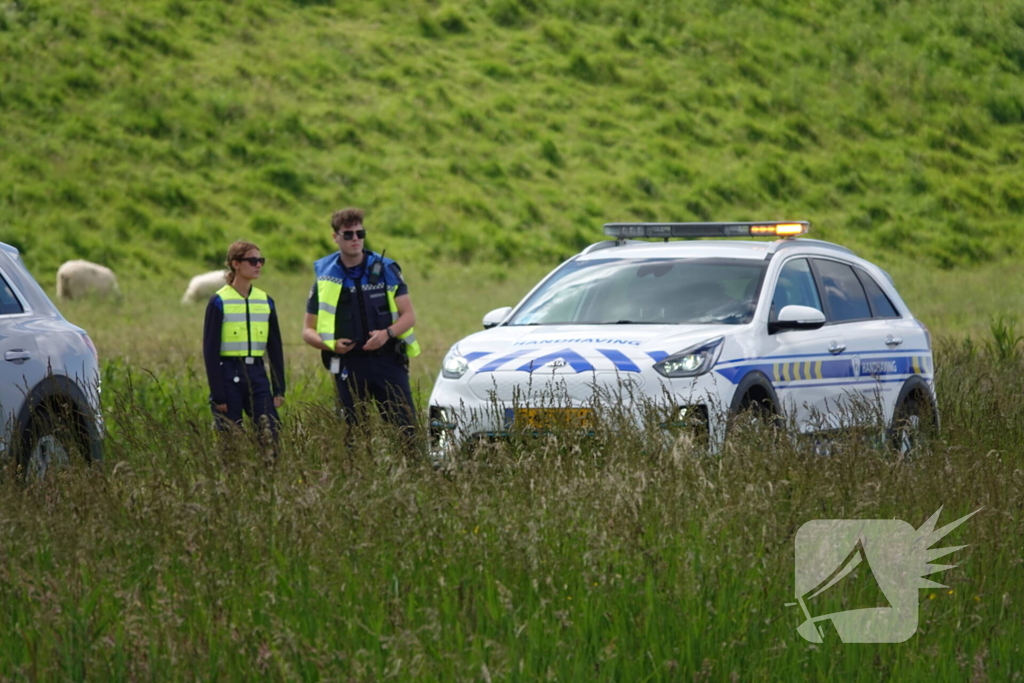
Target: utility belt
[387,350]
[244,360]
[392,348]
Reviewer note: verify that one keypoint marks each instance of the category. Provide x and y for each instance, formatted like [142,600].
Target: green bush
[450,18]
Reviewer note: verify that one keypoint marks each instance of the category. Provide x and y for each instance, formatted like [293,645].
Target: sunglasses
[254,260]
[353,234]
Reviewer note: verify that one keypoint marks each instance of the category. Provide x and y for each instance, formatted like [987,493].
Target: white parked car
[797,329]
[49,377]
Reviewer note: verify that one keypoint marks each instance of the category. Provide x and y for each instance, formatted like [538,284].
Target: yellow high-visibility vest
[328,291]
[246,326]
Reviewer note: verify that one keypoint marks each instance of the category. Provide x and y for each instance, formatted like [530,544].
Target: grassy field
[567,559]
[488,140]
[148,135]
[617,557]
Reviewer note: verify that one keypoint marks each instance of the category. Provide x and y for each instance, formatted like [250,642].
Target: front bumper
[458,415]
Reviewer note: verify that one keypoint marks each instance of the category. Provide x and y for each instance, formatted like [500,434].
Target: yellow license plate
[554,418]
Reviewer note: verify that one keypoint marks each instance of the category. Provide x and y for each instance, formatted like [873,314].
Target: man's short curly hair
[346,218]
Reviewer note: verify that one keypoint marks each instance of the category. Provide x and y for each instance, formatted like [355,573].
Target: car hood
[581,347]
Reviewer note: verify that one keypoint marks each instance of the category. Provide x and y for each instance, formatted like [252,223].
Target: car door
[804,365]
[897,348]
[19,363]
[849,313]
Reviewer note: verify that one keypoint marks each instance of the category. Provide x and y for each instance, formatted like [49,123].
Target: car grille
[554,388]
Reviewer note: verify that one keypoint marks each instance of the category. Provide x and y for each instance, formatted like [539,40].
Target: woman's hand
[278,401]
[221,407]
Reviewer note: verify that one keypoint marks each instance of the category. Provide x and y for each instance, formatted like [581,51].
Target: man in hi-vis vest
[361,318]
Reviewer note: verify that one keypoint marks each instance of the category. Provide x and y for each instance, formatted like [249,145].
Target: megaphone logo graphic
[859,579]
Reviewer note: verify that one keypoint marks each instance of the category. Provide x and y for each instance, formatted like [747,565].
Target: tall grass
[622,556]
[614,557]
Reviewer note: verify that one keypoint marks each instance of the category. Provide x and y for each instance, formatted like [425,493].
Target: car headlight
[454,365]
[693,361]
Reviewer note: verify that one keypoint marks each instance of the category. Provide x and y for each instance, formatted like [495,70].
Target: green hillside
[148,135]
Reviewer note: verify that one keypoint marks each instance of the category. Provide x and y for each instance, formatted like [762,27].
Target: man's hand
[343,345]
[278,401]
[221,407]
[378,338]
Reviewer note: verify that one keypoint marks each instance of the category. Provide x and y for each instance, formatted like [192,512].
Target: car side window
[795,288]
[880,304]
[843,291]
[9,303]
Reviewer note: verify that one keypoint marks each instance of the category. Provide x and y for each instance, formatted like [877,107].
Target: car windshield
[647,291]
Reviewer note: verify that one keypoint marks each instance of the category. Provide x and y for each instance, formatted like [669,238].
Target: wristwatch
[391,335]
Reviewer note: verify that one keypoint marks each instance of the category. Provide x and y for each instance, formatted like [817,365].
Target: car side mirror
[496,317]
[797,318]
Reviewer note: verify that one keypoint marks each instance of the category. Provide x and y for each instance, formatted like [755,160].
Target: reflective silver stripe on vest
[259,317]
[326,336]
[234,346]
[327,308]
[236,302]
[234,317]
[259,346]
[411,339]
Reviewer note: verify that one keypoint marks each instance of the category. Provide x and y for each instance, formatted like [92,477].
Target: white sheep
[203,286]
[79,278]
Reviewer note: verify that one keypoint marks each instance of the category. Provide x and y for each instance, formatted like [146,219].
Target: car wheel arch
[47,396]
[915,386]
[754,380]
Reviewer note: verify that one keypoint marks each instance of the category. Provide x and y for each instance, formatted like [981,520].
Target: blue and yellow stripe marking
[785,370]
[798,370]
[781,369]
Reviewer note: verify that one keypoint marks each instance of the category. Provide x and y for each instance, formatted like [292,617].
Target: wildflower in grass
[977,598]
[950,592]
[932,596]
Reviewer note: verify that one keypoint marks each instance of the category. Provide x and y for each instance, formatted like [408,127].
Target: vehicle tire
[755,401]
[51,441]
[914,420]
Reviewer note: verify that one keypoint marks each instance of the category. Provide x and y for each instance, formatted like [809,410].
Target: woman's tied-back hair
[346,218]
[236,252]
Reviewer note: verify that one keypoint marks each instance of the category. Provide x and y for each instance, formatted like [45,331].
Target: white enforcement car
[799,329]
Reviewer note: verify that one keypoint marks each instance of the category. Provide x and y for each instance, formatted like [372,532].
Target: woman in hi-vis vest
[241,337]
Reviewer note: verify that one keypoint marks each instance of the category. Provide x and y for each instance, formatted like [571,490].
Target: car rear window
[880,304]
[9,303]
[843,291]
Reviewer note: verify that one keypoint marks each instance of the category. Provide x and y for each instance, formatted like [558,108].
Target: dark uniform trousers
[383,378]
[247,388]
